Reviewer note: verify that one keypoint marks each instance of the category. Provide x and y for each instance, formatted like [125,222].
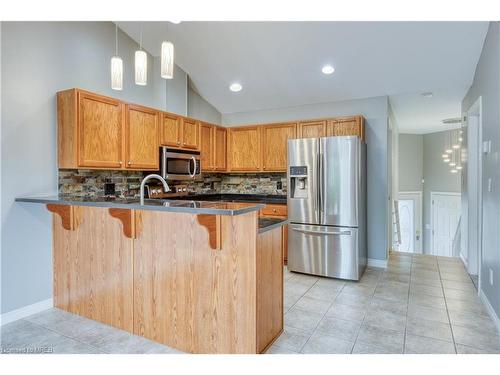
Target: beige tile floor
[420,304]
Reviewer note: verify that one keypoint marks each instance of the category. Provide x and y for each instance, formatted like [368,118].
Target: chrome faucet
[147,178]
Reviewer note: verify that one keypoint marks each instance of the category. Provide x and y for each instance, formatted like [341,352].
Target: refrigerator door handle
[318,188]
[336,233]
[321,185]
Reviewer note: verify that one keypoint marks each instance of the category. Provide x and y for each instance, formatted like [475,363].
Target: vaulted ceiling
[279,63]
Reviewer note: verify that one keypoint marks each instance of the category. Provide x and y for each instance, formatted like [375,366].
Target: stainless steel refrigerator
[327,206]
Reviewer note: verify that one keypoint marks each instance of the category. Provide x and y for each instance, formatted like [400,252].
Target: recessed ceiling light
[427,94]
[235,87]
[327,69]
[176,22]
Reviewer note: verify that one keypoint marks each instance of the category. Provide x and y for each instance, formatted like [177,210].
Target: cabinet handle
[264,167]
[274,209]
[121,163]
[178,143]
[129,163]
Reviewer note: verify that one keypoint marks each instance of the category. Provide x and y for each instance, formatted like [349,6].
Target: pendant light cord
[116,39]
[140,44]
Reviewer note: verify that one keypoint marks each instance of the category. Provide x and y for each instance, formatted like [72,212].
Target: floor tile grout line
[364,315]
[447,311]
[316,327]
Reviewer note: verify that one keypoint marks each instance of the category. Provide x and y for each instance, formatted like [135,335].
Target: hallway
[419,304]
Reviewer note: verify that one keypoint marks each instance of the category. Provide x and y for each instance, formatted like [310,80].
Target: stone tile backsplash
[89,183]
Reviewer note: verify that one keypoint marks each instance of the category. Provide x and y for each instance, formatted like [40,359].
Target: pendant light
[167,58]
[141,65]
[455,143]
[116,67]
[448,148]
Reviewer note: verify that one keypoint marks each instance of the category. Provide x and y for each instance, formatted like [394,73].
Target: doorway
[410,221]
[445,217]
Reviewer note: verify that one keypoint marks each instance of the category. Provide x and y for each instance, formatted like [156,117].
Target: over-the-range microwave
[179,164]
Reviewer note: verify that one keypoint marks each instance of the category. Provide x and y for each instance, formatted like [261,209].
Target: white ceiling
[416,114]
[279,63]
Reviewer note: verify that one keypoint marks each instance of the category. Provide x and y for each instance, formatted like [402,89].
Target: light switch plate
[486,147]
[490,188]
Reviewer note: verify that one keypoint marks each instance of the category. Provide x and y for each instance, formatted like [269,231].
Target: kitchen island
[202,277]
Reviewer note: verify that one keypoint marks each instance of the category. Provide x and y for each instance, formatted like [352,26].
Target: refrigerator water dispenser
[298,180]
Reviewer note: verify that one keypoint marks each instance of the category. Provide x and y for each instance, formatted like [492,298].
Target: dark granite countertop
[193,207]
[251,198]
[269,223]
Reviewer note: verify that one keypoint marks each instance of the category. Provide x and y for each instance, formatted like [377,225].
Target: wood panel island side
[200,279]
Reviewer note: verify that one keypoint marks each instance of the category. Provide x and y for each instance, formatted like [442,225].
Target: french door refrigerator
[327,206]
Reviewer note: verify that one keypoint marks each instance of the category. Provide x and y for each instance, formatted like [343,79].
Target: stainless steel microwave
[179,164]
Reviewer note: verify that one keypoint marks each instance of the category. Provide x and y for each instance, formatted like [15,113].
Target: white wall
[411,162]
[200,109]
[375,111]
[37,60]
[486,85]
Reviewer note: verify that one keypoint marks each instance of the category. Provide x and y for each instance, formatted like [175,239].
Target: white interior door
[410,221]
[445,216]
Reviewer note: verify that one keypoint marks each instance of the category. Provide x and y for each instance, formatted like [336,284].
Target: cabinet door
[346,126]
[100,131]
[312,129]
[142,148]
[190,133]
[244,149]
[220,148]
[274,145]
[170,133]
[207,146]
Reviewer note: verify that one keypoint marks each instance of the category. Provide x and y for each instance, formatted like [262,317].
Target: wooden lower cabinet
[93,268]
[269,288]
[279,211]
[176,287]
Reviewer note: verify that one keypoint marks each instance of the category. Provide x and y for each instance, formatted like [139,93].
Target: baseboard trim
[378,263]
[490,309]
[25,311]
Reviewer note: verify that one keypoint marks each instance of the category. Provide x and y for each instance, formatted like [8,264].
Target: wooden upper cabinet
[274,145]
[207,146]
[141,138]
[99,131]
[312,129]
[190,133]
[170,134]
[353,125]
[244,149]
[220,135]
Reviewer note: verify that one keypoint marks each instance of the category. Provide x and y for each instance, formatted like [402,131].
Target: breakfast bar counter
[201,277]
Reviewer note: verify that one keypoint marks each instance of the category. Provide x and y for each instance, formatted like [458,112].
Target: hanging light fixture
[453,161]
[456,143]
[116,67]
[459,164]
[167,60]
[141,65]
[448,148]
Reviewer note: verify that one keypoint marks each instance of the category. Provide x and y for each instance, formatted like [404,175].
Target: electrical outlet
[109,189]
[489,185]
[491,276]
